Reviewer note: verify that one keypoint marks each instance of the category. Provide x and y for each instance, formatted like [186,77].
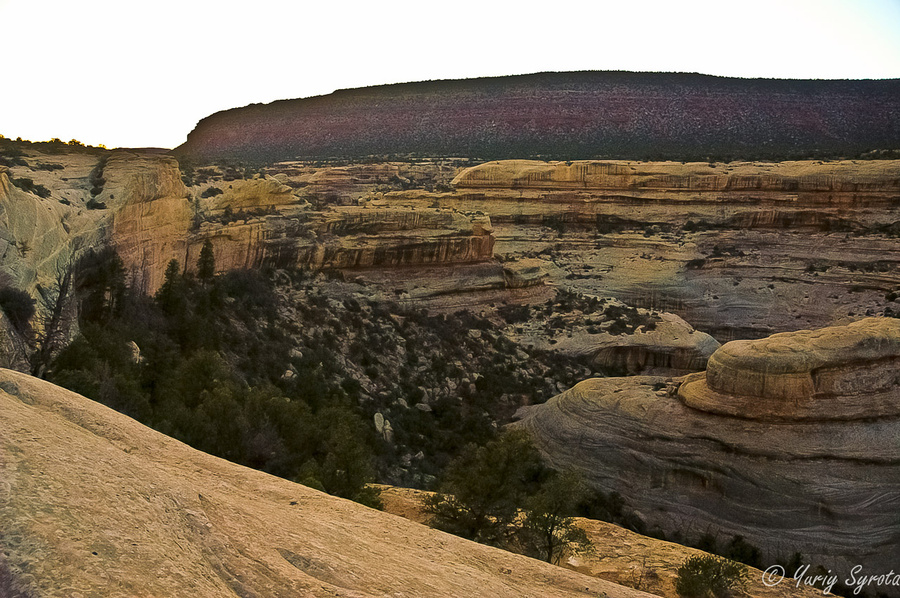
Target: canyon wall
[824,480]
[739,250]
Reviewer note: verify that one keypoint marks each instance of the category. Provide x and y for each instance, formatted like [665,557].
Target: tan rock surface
[93,503]
[839,373]
[827,489]
[672,348]
[739,250]
[150,226]
[253,194]
[33,235]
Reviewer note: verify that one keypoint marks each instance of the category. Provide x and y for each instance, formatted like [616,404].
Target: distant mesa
[566,115]
[836,373]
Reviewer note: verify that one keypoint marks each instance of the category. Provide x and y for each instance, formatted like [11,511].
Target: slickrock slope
[33,239]
[93,503]
[570,115]
[829,488]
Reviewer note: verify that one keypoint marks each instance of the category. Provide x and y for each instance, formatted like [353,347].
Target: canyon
[656,269]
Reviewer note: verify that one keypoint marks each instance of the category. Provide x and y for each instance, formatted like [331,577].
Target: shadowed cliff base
[569,116]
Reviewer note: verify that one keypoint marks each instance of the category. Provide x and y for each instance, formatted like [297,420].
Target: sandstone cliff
[95,504]
[738,250]
[827,488]
[150,225]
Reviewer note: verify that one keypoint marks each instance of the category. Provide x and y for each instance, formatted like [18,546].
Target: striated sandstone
[152,217]
[94,503]
[253,194]
[859,181]
[739,249]
[824,486]
[826,489]
[346,238]
[835,373]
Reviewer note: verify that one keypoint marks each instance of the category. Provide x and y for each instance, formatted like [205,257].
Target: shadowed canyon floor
[94,504]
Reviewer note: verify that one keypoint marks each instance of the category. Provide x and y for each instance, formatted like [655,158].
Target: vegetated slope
[568,115]
[94,503]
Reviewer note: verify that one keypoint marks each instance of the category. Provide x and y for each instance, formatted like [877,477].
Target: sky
[137,74]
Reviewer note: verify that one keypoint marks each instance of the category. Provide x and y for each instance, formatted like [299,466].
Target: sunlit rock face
[835,373]
[95,504]
[820,479]
[739,249]
[150,225]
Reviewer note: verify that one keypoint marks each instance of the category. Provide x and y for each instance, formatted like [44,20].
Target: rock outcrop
[153,214]
[346,238]
[825,487]
[836,373]
[34,241]
[93,503]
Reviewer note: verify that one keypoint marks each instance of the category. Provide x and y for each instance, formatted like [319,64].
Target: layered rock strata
[95,504]
[739,249]
[825,486]
[151,217]
[346,238]
[836,373]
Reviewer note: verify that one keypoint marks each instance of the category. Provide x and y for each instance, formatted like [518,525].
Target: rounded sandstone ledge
[695,392]
[859,358]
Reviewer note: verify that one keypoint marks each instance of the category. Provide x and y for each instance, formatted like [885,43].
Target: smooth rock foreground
[94,504]
[820,479]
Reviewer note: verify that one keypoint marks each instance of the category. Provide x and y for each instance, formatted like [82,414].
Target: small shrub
[93,204]
[29,186]
[18,307]
[705,575]
[211,192]
[96,177]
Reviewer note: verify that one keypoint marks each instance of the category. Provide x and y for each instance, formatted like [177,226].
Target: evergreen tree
[206,264]
[484,487]
[548,528]
[170,295]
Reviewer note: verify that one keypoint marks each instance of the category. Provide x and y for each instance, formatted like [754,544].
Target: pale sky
[142,73]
